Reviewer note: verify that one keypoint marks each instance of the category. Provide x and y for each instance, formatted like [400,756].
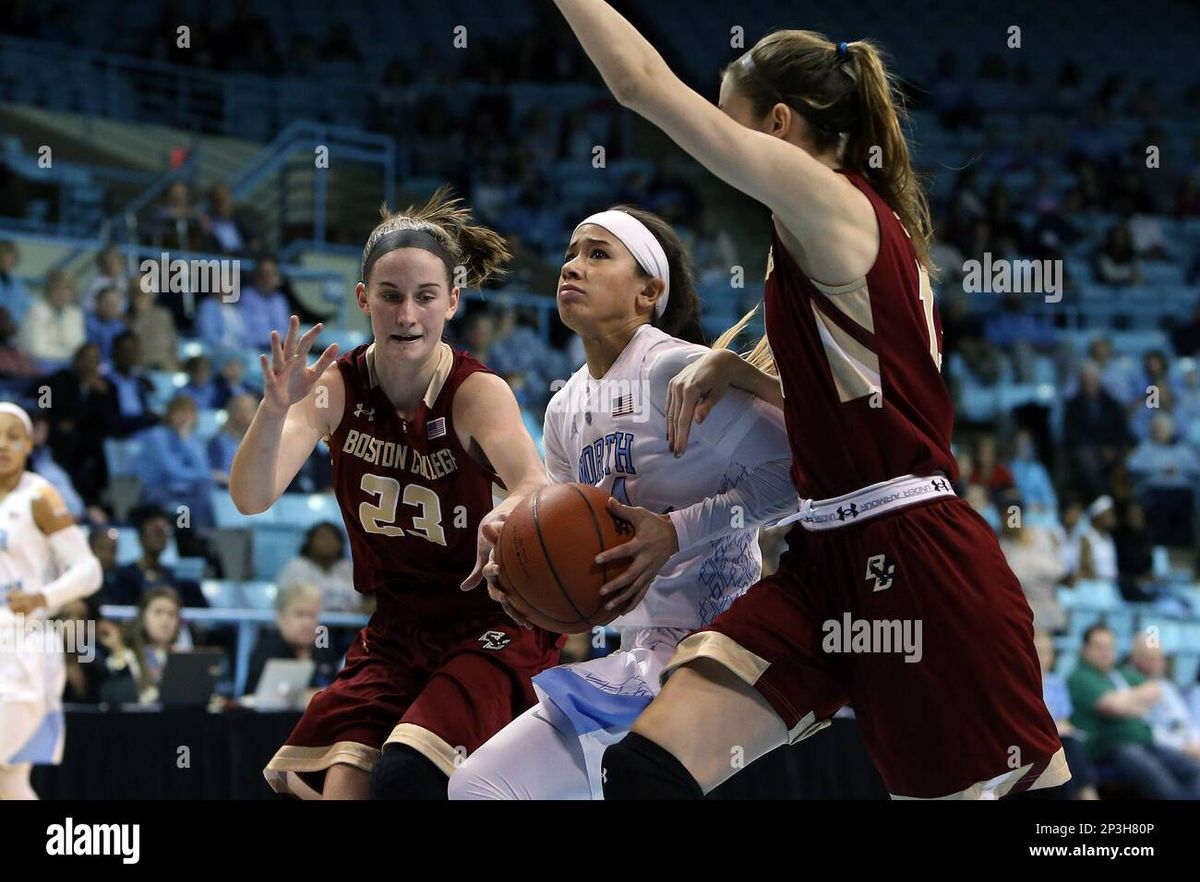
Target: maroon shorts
[442,687]
[916,621]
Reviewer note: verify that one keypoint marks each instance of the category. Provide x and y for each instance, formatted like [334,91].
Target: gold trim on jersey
[856,306]
[440,373]
[291,758]
[433,747]
[721,649]
[855,368]
[1055,773]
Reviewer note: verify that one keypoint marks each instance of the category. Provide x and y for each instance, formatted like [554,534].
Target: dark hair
[848,95]
[143,514]
[681,318]
[137,635]
[123,336]
[480,250]
[311,532]
[1099,626]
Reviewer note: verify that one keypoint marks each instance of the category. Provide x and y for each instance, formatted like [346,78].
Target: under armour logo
[847,511]
[940,484]
[494,639]
[881,570]
[369,412]
[604,776]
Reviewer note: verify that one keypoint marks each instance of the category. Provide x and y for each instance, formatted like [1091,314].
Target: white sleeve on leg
[527,759]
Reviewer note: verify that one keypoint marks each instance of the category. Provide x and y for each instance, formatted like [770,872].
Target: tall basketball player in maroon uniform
[946,684]
[417,433]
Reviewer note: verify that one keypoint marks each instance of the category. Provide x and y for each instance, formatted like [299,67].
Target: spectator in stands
[1135,554]
[988,471]
[110,273]
[154,326]
[1097,547]
[136,658]
[323,562]
[42,461]
[1094,433]
[1117,375]
[263,305]
[200,387]
[1058,701]
[245,42]
[106,323]
[980,500]
[1115,262]
[1187,403]
[1155,394]
[221,325]
[85,664]
[962,335]
[224,444]
[175,223]
[297,611]
[479,334]
[227,231]
[103,542]
[13,295]
[1187,202]
[174,466]
[82,408]
[1170,719]
[14,362]
[1030,476]
[53,327]
[229,383]
[130,581]
[132,388]
[1019,333]
[1073,525]
[1185,337]
[1034,558]
[1167,470]
[1110,708]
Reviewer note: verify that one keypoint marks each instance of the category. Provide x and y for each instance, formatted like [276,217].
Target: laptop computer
[282,682]
[189,678]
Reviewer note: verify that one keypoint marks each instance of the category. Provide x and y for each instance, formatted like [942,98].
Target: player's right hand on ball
[287,378]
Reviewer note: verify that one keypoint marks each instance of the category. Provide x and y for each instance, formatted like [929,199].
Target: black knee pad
[637,768]
[405,773]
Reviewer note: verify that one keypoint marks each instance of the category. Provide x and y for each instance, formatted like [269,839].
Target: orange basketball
[546,553]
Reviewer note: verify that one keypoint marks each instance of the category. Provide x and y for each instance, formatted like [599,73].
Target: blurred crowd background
[1077,413]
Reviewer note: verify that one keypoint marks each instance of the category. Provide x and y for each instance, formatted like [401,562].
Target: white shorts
[600,698]
[31,686]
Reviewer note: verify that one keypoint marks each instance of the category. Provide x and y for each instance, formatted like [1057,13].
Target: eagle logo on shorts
[494,639]
[880,569]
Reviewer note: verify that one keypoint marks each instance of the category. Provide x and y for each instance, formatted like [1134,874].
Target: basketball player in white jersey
[38,538]
[627,290]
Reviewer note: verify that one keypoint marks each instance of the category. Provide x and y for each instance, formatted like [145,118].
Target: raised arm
[293,416]
[831,219]
[487,414]
[79,572]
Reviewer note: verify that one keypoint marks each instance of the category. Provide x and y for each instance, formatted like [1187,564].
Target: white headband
[642,244]
[19,413]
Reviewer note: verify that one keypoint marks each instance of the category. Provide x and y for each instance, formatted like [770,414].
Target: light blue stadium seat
[209,422]
[302,510]
[166,384]
[1186,666]
[272,547]
[1097,594]
[227,515]
[222,593]
[120,454]
[258,594]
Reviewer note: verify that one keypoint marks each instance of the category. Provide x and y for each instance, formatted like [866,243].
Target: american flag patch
[435,428]
[623,406]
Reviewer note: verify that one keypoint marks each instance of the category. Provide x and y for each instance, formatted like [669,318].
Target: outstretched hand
[287,378]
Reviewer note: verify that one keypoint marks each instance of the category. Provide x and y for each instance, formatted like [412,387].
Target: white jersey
[32,677]
[611,433]
[26,563]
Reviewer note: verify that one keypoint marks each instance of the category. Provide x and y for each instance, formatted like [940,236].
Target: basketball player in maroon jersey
[417,434]
[811,129]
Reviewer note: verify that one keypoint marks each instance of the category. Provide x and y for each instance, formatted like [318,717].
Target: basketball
[546,552]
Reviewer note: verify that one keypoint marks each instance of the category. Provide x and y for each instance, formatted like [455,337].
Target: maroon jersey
[860,367]
[411,496]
